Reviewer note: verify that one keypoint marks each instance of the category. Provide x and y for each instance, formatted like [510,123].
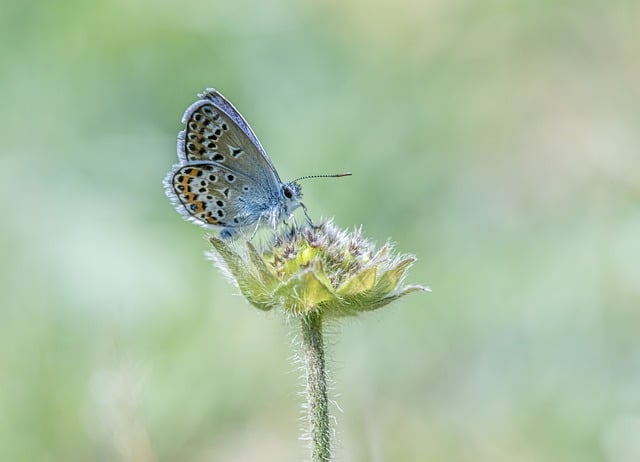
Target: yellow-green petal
[362,282]
[304,292]
[390,278]
[267,277]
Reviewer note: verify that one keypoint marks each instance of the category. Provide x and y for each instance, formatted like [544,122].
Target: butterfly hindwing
[212,195]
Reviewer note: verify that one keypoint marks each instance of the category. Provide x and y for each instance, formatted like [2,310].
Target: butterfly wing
[215,131]
[224,178]
[215,196]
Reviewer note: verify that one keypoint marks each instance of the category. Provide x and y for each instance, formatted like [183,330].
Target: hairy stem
[317,400]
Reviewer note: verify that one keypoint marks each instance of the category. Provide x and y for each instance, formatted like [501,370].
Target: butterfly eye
[287,192]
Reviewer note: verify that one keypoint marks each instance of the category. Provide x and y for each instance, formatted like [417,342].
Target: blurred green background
[498,141]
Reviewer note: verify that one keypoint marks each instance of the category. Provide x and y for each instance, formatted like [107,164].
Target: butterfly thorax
[270,207]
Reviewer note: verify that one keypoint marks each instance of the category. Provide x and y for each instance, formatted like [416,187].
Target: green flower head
[315,269]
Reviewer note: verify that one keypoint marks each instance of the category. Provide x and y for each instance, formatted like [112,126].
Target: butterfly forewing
[216,132]
[226,107]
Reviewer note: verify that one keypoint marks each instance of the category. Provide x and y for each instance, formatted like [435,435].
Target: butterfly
[224,179]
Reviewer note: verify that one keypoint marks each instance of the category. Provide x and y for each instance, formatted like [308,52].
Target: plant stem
[317,400]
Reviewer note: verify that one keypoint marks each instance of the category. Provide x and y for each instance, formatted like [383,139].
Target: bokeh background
[498,141]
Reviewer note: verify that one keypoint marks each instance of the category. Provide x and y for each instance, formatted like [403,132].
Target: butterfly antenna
[335,175]
[304,207]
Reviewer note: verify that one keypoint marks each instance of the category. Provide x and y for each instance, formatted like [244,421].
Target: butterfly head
[291,193]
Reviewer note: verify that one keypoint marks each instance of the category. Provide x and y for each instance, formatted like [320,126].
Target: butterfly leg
[255,230]
[306,215]
[294,225]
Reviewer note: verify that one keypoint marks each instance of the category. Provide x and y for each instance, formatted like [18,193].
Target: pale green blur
[498,141]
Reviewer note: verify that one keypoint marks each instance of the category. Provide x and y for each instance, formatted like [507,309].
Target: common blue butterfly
[224,179]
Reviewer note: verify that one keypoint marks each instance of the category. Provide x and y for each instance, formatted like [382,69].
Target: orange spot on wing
[199,207]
